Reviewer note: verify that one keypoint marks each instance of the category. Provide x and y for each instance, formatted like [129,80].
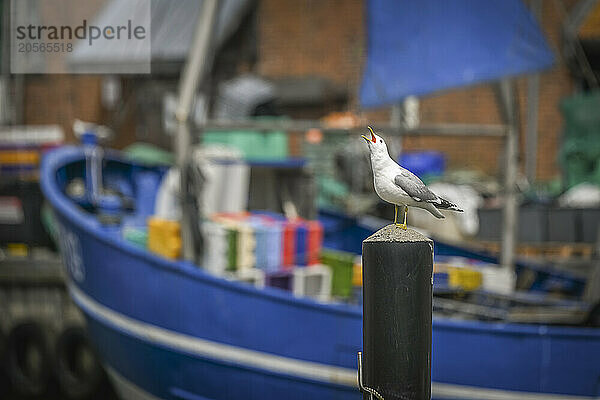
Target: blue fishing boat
[169,330]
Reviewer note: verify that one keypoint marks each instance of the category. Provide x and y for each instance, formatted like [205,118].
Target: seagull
[399,186]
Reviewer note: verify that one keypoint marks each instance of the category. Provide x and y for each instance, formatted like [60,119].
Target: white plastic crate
[313,281]
[498,280]
[215,249]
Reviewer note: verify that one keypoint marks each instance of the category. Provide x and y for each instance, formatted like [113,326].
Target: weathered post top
[398,287]
[393,233]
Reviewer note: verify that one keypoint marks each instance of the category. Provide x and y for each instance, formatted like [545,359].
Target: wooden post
[398,288]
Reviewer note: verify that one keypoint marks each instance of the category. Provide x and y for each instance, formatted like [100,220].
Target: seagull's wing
[414,187]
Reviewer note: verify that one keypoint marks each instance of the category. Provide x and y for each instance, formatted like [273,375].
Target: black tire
[79,372]
[594,316]
[2,345]
[27,359]
[5,385]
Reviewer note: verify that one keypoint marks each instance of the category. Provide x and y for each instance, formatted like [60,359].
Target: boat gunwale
[60,157]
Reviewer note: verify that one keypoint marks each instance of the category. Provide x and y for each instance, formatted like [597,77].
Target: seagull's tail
[446,205]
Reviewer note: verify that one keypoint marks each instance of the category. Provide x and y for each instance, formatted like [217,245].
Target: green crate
[255,146]
[342,266]
[276,146]
[232,238]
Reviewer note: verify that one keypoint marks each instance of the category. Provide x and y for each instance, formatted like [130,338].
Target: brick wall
[326,38]
[313,37]
[60,99]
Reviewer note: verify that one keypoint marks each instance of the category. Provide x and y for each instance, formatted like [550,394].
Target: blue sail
[419,47]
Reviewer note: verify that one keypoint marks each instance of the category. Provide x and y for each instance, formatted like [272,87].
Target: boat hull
[169,330]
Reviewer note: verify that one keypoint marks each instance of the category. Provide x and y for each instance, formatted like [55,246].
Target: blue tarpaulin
[419,47]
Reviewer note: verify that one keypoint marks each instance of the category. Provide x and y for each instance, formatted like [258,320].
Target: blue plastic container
[424,163]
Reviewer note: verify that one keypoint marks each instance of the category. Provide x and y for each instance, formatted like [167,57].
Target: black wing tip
[446,205]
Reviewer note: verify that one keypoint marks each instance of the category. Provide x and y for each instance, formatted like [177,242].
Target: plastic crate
[215,258]
[562,225]
[313,282]
[456,277]
[590,225]
[342,268]
[281,279]
[424,163]
[253,145]
[164,237]
[532,224]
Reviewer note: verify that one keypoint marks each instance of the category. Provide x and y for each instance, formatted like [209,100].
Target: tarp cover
[173,24]
[418,47]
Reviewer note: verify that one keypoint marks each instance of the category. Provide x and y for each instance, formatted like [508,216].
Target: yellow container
[465,278]
[164,237]
[17,249]
[19,157]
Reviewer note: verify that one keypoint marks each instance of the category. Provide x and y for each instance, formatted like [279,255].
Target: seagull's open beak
[372,136]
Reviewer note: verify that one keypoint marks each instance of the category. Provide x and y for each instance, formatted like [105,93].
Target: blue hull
[169,330]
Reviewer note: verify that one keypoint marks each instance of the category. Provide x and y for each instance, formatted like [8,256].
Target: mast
[194,73]
[509,109]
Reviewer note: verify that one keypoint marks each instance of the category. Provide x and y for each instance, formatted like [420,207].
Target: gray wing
[414,187]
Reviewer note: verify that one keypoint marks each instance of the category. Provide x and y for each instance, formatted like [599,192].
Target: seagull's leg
[405,210]
[395,214]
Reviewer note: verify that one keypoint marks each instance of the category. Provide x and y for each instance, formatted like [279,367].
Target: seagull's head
[376,143]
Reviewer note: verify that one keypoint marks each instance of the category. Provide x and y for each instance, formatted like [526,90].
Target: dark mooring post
[397,290]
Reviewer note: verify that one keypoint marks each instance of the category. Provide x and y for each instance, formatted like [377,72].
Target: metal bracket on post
[361,386]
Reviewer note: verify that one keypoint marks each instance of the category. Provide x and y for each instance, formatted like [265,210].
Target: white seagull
[399,186]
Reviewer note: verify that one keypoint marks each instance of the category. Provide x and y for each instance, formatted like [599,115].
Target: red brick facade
[60,99]
[327,38]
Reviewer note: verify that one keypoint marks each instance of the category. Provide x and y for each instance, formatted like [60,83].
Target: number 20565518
[36,47]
